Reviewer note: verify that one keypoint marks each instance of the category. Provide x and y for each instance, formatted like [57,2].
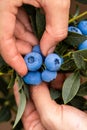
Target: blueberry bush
[72,53]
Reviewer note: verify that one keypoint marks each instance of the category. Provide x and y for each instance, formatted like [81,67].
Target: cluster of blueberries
[35,60]
[80,29]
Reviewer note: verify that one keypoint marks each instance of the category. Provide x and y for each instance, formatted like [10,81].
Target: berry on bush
[82,45]
[48,76]
[32,78]
[83,26]
[53,62]
[33,61]
[36,48]
[74,29]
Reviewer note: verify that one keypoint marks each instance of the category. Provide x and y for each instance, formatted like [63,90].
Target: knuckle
[59,36]
[66,4]
[56,33]
[47,120]
[62,36]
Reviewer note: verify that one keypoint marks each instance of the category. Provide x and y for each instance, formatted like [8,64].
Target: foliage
[75,63]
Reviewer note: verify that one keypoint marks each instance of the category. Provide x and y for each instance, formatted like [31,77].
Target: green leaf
[75,39]
[12,81]
[61,48]
[80,59]
[3,86]
[78,102]
[21,107]
[3,66]
[5,114]
[71,87]
[40,22]
[83,90]
[82,52]
[54,93]
[20,82]
[68,65]
[82,1]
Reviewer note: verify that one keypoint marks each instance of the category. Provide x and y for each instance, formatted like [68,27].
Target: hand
[16,36]
[44,114]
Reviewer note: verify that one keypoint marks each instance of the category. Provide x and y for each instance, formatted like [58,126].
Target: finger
[35,3]
[22,33]
[12,57]
[8,48]
[30,116]
[30,107]
[24,19]
[46,107]
[23,47]
[57,15]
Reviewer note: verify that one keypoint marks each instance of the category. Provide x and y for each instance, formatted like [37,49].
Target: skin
[42,113]
[16,36]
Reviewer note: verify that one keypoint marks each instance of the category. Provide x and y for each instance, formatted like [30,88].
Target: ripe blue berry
[48,76]
[83,26]
[36,48]
[33,61]
[32,78]
[82,45]
[53,62]
[74,29]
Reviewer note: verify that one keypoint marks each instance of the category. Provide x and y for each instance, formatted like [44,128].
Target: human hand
[45,114]
[17,37]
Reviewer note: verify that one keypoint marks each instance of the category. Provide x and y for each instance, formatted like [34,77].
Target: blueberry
[74,29]
[53,62]
[83,26]
[48,76]
[36,48]
[32,78]
[33,61]
[82,45]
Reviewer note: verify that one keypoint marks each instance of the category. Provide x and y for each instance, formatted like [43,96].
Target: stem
[68,54]
[77,17]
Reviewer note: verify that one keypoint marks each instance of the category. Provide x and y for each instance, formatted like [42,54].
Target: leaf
[40,22]
[83,90]
[71,87]
[61,48]
[21,107]
[75,39]
[5,114]
[82,1]
[83,73]
[3,86]
[54,93]
[82,52]
[68,65]
[3,66]
[77,11]
[78,102]
[80,59]
[20,82]
[12,81]
[31,11]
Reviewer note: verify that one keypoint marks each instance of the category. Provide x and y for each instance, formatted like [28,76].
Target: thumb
[57,15]
[47,43]
[46,107]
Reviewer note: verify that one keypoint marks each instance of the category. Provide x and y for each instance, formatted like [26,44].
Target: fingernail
[51,50]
